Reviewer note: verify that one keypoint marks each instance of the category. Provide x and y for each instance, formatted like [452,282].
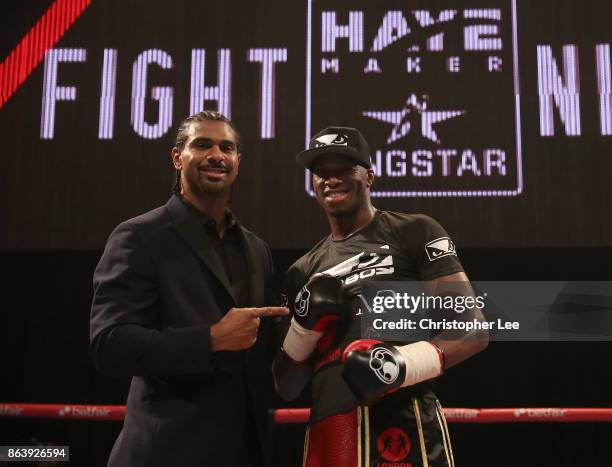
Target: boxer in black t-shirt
[372,401]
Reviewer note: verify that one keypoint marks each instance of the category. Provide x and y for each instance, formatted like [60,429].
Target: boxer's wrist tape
[300,342]
[422,362]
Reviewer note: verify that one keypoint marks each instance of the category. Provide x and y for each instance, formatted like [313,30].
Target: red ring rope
[454,415]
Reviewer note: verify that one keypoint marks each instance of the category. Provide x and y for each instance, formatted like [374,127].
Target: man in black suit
[180,305]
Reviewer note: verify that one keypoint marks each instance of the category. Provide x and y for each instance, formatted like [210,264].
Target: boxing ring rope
[284,416]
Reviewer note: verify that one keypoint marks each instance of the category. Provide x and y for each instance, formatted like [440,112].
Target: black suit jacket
[158,288]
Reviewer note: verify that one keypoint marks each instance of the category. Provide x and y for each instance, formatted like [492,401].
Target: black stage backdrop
[492,116]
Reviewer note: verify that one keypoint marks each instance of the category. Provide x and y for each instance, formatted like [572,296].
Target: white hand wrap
[300,342]
[423,362]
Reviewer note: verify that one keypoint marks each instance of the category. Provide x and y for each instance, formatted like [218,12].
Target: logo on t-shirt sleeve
[439,248]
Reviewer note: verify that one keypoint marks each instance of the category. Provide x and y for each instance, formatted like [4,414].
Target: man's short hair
[205,115]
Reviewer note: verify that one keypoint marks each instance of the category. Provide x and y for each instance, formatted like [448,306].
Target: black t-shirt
[392,247]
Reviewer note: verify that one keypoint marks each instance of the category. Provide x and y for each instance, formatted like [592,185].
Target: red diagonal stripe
[48,30]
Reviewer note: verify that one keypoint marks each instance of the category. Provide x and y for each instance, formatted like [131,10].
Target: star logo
[405,119]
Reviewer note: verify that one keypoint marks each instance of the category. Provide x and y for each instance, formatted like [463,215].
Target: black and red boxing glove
[373,369]
[319,303]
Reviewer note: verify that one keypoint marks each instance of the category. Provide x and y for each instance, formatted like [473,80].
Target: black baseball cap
[336,140]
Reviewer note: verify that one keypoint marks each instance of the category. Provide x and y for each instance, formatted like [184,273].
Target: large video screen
[492,116]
